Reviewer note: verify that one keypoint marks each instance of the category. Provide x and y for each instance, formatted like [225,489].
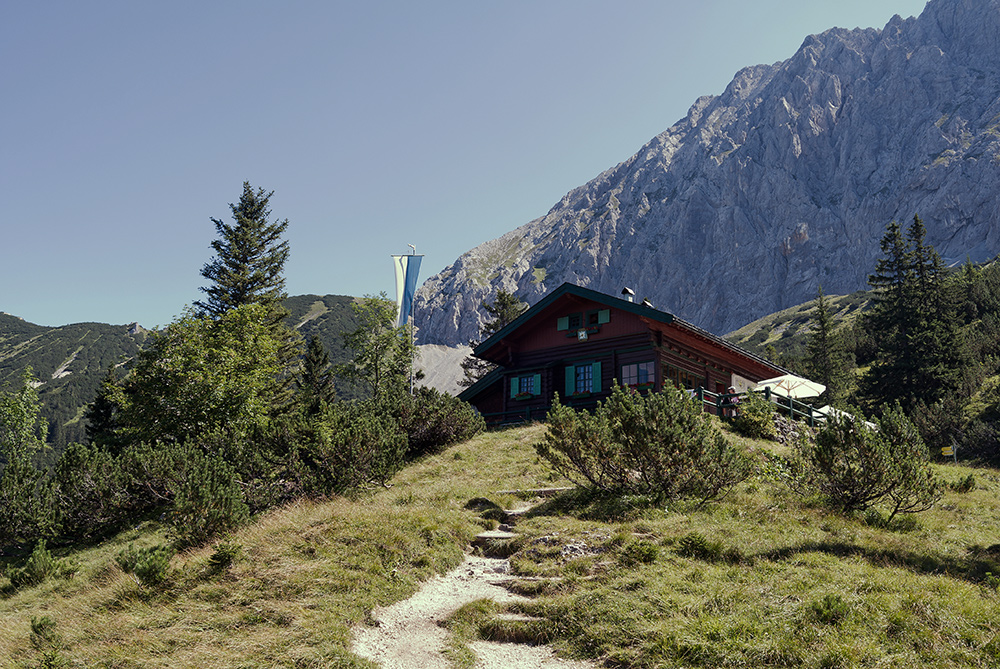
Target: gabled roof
[617,303]
[579,291]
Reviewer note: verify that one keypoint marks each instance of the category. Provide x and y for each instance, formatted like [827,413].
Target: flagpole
[413,333]
[407,268]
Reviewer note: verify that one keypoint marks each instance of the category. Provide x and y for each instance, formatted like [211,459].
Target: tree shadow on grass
[973,568]
[598,505]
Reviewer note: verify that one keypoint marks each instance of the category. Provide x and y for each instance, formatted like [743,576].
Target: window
[638,374]
[583,378]
[526,386]
[591,320]
[682,378]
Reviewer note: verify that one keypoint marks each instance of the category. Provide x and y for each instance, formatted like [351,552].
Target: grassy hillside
[763,578]
[788,330]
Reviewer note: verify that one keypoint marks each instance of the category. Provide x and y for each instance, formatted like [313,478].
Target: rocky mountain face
[784,182]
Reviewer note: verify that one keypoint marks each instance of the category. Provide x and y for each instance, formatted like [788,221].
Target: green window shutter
[562,324]
[570,380]
[596,370]
[513,387]
[538,384]
[603,316]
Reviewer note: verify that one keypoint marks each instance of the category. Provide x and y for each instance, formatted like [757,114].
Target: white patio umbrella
[793,386]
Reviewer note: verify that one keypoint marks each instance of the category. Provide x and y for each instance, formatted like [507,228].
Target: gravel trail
[408,636]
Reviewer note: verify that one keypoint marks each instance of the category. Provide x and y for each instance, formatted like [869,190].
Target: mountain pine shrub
[755,418]
[660,444]
[39,567]
[855,465]
[88,491]
[433,420]
[207,500]
[149,565]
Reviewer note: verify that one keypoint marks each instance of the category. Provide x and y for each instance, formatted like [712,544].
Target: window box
[520,397]
[648,385]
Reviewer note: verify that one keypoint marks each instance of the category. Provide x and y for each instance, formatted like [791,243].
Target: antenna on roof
[628,293]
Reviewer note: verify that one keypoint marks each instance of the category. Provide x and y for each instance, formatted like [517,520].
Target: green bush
[856,465]
[433,420]
[964,485]
[660,443]
[207,500]
[639,552]
[696,545]
[149,565]
[40,566]
[347,445]
[830,610]
[88,492]
[225,554]
[755,418]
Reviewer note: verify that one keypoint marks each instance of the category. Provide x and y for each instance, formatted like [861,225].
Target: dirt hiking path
[407,635]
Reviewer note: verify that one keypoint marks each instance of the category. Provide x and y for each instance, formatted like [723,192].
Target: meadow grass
[763,577]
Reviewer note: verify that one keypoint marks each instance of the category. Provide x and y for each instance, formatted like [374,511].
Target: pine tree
[315,382]
[504,309]
[102,414]
[247,269]
[250,257]
[918,350]
[828,360]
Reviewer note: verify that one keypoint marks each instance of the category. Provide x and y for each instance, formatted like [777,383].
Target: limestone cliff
[783,182]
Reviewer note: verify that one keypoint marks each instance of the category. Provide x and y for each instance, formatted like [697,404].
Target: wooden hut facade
[577,342]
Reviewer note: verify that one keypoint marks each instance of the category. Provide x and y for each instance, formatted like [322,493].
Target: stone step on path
[505,533]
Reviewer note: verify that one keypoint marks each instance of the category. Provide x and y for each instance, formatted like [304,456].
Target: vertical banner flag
[407,268]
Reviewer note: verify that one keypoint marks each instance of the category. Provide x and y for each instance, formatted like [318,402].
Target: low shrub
[660,444]
[964,485]
[207,499]
[39,567]
[755,418]
[149,565]
[855,465]
[696,545]
[225,554]
[639,552]
[830,610]
[433,420]
[89,493]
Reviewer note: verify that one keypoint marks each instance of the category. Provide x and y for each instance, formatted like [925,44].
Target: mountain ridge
[783,182]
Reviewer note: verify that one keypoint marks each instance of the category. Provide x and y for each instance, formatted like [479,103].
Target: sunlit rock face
[784,182]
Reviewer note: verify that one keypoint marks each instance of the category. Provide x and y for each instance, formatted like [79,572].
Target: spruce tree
[504,309]
[828,360]
[315,382]
[247,269]
[250,258]
[918,350]
[102,414]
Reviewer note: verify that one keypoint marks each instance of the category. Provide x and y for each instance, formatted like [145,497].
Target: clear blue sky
[125,126]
